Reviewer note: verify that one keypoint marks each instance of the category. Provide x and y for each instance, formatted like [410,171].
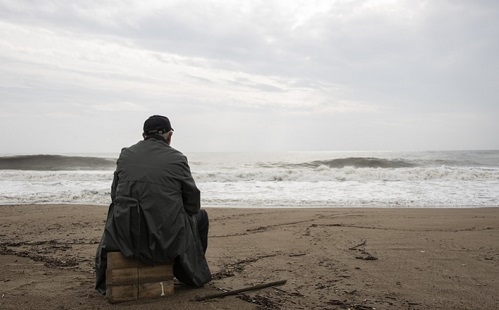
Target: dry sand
[331,258]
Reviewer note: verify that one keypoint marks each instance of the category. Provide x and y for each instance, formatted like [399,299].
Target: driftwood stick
[245,289]
[358,245]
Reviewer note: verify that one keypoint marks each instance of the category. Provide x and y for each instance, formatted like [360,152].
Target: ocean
[443,179]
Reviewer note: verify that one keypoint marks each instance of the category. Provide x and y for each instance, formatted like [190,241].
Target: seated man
[155,213]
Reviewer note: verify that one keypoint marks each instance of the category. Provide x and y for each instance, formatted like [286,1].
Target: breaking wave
[325,174]
[55,162]
[360,162]
[414,179]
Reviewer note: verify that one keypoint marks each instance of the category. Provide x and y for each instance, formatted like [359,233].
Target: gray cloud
[356,74]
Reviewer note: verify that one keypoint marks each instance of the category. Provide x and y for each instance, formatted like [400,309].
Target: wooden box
[128,279]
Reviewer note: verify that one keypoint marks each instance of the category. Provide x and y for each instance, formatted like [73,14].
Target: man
[155,213]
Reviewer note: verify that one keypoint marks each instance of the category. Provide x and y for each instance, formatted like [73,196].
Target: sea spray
[293,179]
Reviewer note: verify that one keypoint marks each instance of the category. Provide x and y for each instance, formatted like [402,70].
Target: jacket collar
[155,137]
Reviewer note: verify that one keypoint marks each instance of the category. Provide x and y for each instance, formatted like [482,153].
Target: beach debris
[38,250]
[368,257]
[296,293]
[223,273]
[262,301]
[56,226]
[346,305]
[363,243]
[364,254]
[228,270]
[335,302]
[245,289]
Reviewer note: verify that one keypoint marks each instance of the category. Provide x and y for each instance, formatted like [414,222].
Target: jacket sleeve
[191,195]
[114,185]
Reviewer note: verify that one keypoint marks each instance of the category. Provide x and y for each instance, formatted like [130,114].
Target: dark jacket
[150,218]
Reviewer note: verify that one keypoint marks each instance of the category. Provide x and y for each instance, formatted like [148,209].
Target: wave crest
[361,162]
[55,162]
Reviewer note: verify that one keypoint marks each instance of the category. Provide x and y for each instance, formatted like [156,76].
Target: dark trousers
[203,225]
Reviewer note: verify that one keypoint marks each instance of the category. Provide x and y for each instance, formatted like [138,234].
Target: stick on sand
[235,292]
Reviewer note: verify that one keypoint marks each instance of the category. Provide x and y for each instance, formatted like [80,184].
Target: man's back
[156,178]
[152,215]
[155,173]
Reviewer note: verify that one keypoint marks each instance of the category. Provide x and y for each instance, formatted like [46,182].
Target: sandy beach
[353,258]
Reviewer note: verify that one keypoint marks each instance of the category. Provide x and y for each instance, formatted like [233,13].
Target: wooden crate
[128,279]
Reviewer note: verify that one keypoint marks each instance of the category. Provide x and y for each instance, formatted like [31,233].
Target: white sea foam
[467,179]
[324,173]
[25,186]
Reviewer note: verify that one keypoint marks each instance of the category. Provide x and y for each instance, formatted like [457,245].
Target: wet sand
[353,258]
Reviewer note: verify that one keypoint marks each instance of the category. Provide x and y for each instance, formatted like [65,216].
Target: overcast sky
[82,76]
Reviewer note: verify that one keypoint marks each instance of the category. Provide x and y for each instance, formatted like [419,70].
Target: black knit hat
[157,123]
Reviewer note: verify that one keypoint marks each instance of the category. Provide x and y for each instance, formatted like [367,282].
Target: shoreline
[208,206]
[332,258]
